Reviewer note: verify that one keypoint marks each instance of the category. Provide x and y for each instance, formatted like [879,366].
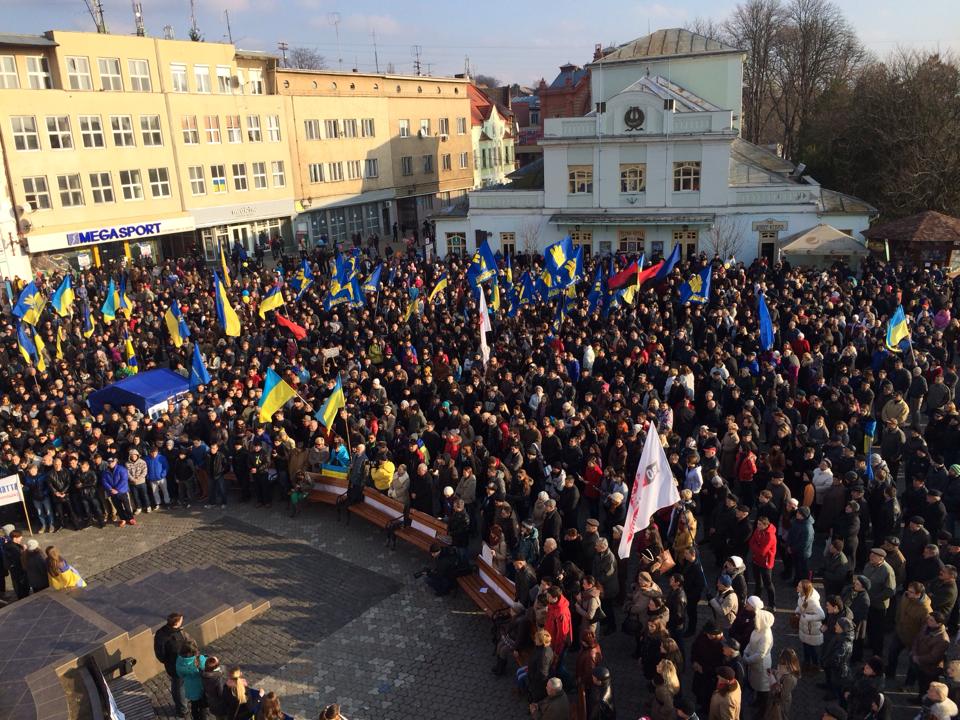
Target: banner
[10,490]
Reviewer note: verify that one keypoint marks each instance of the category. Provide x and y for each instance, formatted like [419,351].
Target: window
[446,161]
[211,125]
[350,128]
[78,73]
[25,136]
[110,78]
[71,192]
[150,130]
[685,236]
[38,73]
[178,74]
[218,179]
[91,131]
[9,80]
[404,128]
[198,185]
[234,131]
[273,128]
[191,136]
[259,172]
[508,243]
[279,177]
[311,129]
[253,128]
[582,239]
[331,129]
[464,160]
[315,171]
[239,171]
[406,165]
[335,171]
[130,185]
[633,178]
[201,77]
[371,168]
[461,126]
[139,71]
[456,243]
[424,127]
[580,179]
[444,126]
[534,117]
[122,127]
[256,82]
[36,193]
[101,184]
[428,163]
[631,241]
[366,127]
[353,170]
[224,83]
[58,132]
[483,158]
[476,159]
[686,176]
[159,182]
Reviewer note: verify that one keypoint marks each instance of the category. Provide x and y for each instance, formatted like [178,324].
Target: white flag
[484,327]
[653,488]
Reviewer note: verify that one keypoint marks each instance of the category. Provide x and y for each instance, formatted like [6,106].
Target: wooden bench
[424,530]
[325,488]
[377,508]
[489,590]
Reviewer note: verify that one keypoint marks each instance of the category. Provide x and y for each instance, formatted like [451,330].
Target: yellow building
[170,145]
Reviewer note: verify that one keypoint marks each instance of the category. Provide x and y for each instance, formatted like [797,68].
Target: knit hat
[755,603]
[725,580]
[875,664]
[725,672]
[7,529]
[863,580]
[737,561]
[32,544]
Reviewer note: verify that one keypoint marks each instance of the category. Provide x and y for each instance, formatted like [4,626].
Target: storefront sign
[87,236]
[233,214]
[769,225]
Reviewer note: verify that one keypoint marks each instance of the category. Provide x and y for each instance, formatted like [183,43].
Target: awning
[823,240]
[645,219]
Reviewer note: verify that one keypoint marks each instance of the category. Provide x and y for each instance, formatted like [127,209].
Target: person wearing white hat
[35,566]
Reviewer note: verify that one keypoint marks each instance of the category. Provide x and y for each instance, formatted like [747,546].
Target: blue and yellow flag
[63,298]
[697,288]
[224,268]
[30,304]
[25,344]
[483,266]
[356,294]
[271,301]
[122,302]
[495,299]
[89,324]
[557,255]
[60,338]
[226,315]
[411,308]
[302,279]
[508,270]
[176,325]
[328,413]
[276,393]
[439,287]
[528,292]
[198,369]
[130,355]
[373,282]
[570,271]
[109,307]
[766,324]
[898,332]
[595,297]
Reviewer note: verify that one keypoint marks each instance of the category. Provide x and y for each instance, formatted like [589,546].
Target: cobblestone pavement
[350,623]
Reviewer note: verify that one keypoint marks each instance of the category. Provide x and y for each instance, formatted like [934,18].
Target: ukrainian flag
[25,344]
[59,342]
[271,301]
[508,270]
[483,266]
[198,370]
[30,304]
[224,268]
[356,294]
[373,282]
[897,331]
[410,310]
[176,324]
[88,322]
[63,298]
[438,288]
[276,393]
[121,301]
[109,308]
[226,315]
[131,356]
[328,413]
[495,302]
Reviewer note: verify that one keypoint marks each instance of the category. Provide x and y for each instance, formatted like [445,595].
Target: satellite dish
[25,225]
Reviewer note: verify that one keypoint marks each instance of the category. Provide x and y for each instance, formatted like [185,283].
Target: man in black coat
[847,528]
[550,565]
[524,580]
[738,538]
[167,643]
[552,523]
[12,554]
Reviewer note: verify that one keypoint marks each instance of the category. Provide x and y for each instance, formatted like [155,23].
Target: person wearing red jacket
[746,468]
[763,552]
[559,624]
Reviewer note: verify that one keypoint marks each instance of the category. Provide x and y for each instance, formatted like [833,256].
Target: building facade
[661,164]
[493,137]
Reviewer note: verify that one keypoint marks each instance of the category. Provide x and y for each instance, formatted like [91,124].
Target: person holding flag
[302,279]
[130,355]
[30,304]
[226,315]
[372,285]
[438,288]
[176,325]
[62,300]
[898,332]
[198,369]
[276,393]
[271,301]
[697,288]
[654,488]
[335,402]
[483,266]
[89,324]
[109,307]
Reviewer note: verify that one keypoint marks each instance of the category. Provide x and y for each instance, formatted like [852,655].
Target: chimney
[597,51]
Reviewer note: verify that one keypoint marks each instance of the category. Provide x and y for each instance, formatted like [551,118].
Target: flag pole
[26,514]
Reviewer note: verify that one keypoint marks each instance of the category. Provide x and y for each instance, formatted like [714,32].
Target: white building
[493,137]
[659,162]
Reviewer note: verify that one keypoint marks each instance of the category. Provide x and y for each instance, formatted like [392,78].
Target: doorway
[241,234]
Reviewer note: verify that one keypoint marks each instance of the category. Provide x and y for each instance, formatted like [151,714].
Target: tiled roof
[928,226]
[568,72]
[674,42]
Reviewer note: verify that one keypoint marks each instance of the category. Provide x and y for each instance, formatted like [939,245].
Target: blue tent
[145,390]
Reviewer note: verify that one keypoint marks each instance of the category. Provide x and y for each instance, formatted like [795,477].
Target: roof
[144,390]
[674,42]
[685,101]
[26,40]
[528,177]
[531,100]
[635,219]
[573,73]
[838,203]
[928,226]
[480,105]
[753,165]
[823,240]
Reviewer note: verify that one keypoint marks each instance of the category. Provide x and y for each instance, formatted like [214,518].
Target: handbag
[795,622]
[667,563]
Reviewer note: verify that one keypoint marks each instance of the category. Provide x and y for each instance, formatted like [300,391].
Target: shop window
[25,135]
[371,214]
[686,176]
[36,193]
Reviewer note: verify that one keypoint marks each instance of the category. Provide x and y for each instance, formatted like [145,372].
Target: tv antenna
[376,60]
[95,8]
[168,33]
[138,18]
[226,14]
[283,47]
[416,50]
[194,28]
[333,18]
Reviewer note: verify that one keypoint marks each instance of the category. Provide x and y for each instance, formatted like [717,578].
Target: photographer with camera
[447,564]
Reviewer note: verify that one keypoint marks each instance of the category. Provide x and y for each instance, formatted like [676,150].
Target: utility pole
[376,60]
[283,47]
[416,50]
[226,14]
[138,18]
[194,28]
[334,19]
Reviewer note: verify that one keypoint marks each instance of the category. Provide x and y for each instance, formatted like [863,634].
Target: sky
[517,41]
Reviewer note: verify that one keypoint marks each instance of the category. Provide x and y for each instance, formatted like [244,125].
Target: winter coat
[115,479]
[883,584]
[800,537]
[757,654]
[725,705]
[187,670]
[837,649]
[811,618]
[725,607]
[763,547]
[929,647]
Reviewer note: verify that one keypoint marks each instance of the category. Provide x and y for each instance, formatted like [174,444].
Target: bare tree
[529,236]
[708,27]
[754,27]
[303,58]
[725,237]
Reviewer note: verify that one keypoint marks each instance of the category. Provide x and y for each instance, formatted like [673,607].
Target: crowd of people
[828,459]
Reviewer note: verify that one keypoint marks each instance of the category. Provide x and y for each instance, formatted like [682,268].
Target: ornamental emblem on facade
[633,118]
